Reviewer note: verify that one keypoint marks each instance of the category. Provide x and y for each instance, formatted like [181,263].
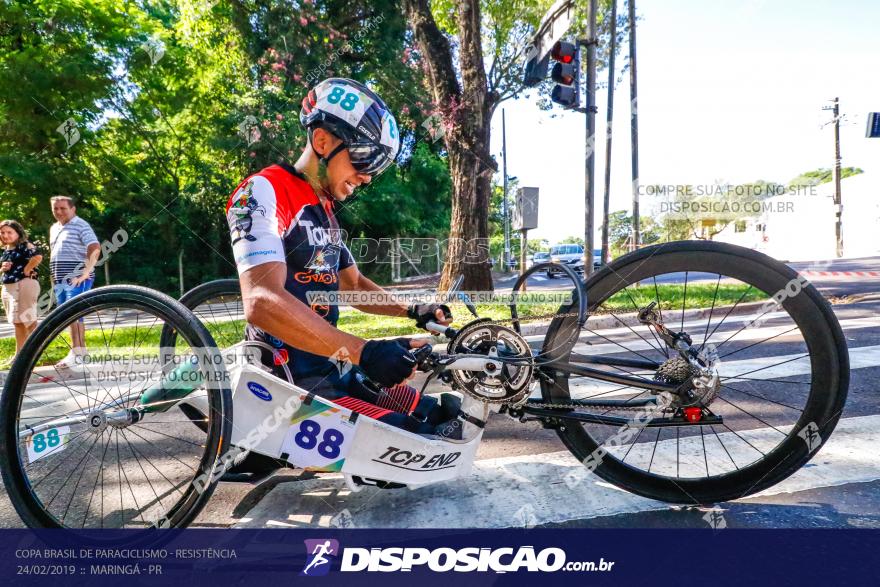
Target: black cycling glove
[424,313]
[387,362]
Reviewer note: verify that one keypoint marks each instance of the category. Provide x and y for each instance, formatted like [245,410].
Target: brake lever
[422,354]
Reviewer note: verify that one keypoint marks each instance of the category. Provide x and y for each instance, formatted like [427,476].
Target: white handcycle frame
[280,420]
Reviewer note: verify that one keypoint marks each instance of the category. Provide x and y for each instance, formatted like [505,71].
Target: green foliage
[160,93]
[620,227]
[822,175]
[408,201]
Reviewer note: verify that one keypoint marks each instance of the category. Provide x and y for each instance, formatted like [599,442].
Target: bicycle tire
[197,296]
[15,479]
[809,310]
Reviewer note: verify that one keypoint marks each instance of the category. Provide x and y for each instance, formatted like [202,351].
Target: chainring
[484,337]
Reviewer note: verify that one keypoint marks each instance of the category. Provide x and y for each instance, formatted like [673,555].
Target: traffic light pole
[590,141]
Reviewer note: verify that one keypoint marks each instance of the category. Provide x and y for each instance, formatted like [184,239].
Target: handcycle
[688,403]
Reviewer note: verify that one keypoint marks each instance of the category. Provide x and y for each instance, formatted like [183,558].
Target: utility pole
[838,205]
[590,161]
[634,122]
[504,208]
[838,202]
[608,122]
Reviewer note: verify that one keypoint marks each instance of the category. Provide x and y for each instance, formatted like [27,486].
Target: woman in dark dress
[18,264]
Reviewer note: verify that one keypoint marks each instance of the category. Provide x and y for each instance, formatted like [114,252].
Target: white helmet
[359,117]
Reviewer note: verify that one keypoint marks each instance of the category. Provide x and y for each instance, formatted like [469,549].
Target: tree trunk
[466,110]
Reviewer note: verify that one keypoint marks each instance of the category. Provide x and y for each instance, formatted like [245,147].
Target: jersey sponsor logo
[241,258]
[241,213]
[259,391]
[318,235]
[311,276]
[319,260]
[325,258]
[321,268]
[322,310]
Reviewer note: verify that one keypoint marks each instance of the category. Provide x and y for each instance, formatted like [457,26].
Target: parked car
[573,256]
[540,257]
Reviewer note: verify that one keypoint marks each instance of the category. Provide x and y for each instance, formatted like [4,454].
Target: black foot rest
[376,483]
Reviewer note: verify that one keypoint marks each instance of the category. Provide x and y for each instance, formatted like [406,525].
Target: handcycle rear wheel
[104,457]
[784,371]
[218,305]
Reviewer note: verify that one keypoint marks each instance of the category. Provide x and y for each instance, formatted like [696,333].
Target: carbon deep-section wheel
[774,386]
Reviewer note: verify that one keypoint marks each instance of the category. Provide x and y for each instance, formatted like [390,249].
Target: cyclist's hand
[388,362]
[424,313]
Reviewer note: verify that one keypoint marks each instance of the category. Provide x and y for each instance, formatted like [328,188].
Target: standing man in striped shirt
[74,253]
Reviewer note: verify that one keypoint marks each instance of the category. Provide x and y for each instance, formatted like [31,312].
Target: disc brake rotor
[509,384]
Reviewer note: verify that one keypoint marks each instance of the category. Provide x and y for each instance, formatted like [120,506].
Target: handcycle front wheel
[779,355]
[102,443]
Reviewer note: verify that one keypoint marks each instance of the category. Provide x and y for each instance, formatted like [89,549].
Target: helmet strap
[333,153]
[325,159]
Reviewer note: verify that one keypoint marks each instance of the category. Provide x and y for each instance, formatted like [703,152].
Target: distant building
[800,226]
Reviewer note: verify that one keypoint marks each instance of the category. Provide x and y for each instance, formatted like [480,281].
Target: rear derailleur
[694,370]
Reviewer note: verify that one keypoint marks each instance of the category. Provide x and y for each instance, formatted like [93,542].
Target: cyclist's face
[342,179]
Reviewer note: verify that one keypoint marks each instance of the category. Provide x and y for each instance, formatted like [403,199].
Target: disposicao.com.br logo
[444,559]
[320,554]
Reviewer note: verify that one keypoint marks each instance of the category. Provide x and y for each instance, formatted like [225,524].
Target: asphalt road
[843,281]
[522,474]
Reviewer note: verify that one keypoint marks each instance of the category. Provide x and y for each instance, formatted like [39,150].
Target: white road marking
[503,492]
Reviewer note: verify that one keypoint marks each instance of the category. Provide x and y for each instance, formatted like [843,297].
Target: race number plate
[319,438]
[47,442]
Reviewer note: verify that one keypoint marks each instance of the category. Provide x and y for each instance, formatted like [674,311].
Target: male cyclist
[287,243]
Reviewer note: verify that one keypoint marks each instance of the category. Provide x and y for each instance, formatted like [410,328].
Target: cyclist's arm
[350,279]
[268,306]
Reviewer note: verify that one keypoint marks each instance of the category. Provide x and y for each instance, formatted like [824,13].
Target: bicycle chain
[572,406]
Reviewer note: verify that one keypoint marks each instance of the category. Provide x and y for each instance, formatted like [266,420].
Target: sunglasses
[368,158]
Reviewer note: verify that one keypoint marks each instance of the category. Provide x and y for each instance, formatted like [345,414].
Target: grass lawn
[123,341]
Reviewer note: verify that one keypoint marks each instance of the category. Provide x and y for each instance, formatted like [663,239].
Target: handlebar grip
[447,331]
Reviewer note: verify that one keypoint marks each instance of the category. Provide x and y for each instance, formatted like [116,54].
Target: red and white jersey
[275,216]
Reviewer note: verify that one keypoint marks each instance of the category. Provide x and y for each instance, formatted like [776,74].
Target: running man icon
[320,554]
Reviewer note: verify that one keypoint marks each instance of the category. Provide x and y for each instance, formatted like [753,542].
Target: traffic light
[535,70]
[566,92]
